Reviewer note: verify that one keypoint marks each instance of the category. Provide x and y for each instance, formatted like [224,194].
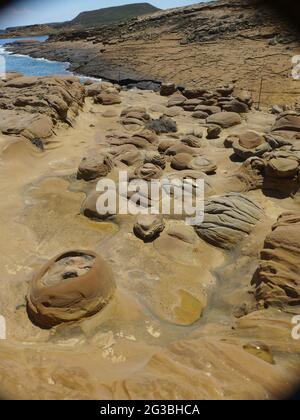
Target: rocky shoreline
[218,41]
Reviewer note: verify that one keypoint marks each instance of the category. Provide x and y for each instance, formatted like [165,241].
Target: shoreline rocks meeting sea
[146,306]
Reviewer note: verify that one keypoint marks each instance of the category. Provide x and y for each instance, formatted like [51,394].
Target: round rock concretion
[72,286]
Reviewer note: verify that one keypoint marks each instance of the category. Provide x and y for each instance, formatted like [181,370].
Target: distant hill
[93,18]
[113,14]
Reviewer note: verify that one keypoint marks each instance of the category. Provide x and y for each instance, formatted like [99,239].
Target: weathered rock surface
[33,106]
[277,281]
[94,166]
[249,144]
[228,220]
[224,119]
[72,286]
[148,227]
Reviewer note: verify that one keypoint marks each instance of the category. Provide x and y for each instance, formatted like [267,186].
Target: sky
[28,12]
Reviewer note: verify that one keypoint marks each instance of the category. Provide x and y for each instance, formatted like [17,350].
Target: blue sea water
[27,65]
[31,66]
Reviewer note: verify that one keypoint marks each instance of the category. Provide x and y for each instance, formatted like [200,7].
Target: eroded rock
[94,166]
[277,281]
[72,286]
[228,220]
[149,227]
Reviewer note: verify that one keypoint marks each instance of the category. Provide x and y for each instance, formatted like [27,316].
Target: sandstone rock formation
[224,119]
[94,166]
[277,281]
[148,227]
[72,286]
[32,107]
[228,220]
[249,144]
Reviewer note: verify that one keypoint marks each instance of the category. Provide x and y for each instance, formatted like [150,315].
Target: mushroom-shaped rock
[249,144]
[282,165]
[149,227]
[277,280]
[224,119]
[228,220]
[94,166]
[72,286]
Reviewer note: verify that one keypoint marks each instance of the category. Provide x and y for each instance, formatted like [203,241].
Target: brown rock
[225,119]
[167,89]
[277,281]
[107,98]
[72,286]
[94,166]
[149,227]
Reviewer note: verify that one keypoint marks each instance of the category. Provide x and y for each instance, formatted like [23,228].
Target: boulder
[213,132]
[167,89]
[72,286]
[225,119]
[201,115]
[174,111]
[94,166]
[282,165]
[249,144]
[180,147]
[225,90]
[191,141]
[191,104]
[228,220]
[287,122]
[236,106]
[149,227]
[108,98]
